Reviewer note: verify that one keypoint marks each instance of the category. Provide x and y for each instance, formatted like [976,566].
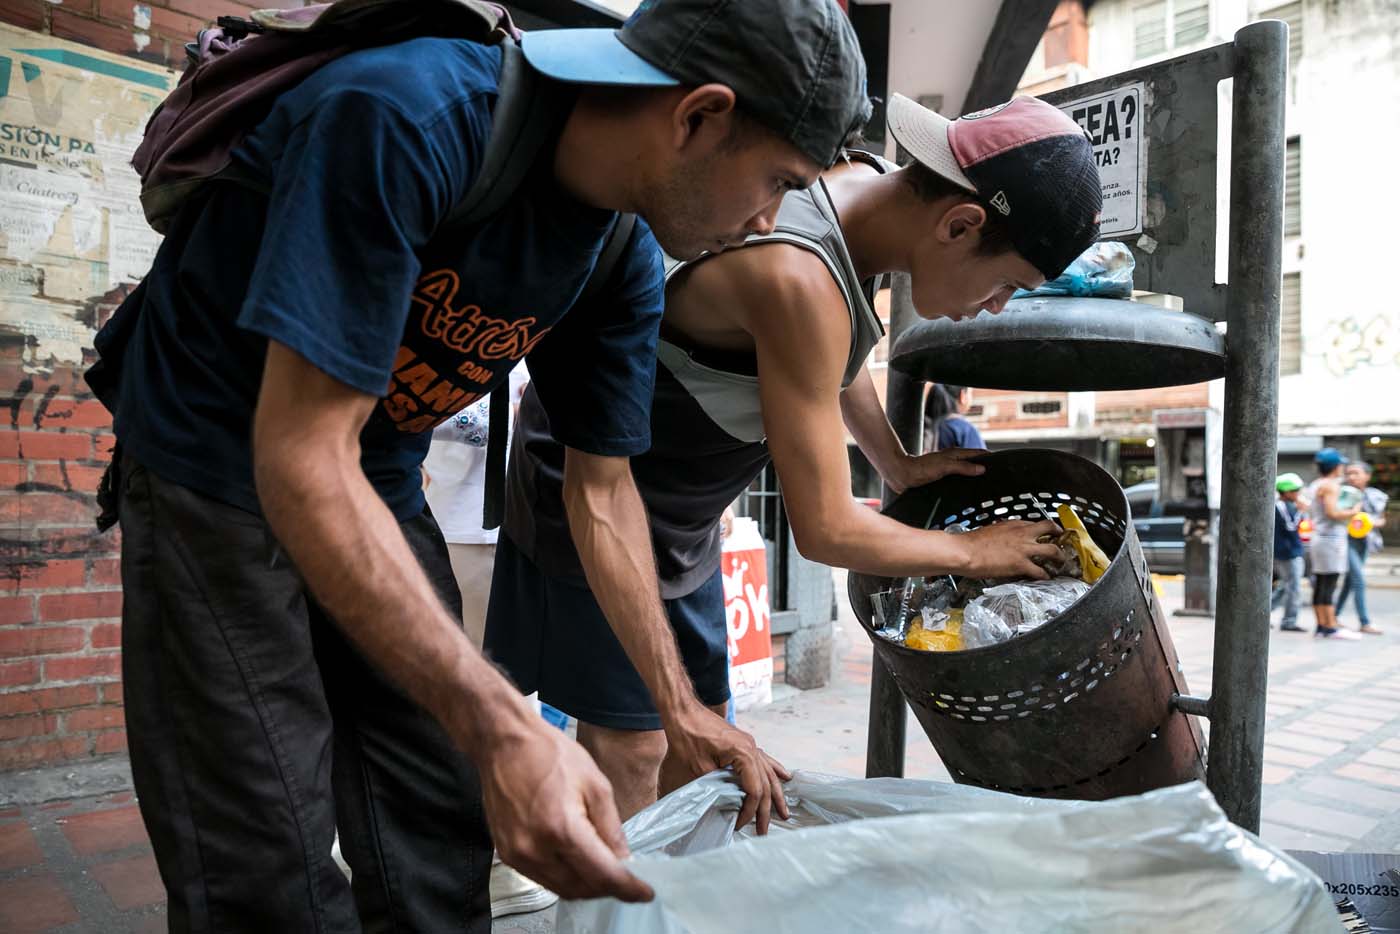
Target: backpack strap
[525,115]
[498,423]
[613,248]
[497,435]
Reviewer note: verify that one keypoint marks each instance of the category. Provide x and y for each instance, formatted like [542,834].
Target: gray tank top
[1329,536]
[707,427]
[806,219]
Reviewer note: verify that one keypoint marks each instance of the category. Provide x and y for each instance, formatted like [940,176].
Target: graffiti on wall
[1349,343]
[72,229]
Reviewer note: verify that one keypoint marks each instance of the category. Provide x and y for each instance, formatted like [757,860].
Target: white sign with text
[1113,121]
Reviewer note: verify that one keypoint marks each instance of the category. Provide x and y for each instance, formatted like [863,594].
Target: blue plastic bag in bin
[1105,270]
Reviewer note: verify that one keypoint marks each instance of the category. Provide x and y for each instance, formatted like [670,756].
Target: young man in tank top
[763,357]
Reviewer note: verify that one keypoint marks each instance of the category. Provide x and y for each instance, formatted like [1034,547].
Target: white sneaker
[1339,634]
[511,893]
[514,894]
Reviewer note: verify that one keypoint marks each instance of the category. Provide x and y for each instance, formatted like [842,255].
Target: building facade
[1340,353]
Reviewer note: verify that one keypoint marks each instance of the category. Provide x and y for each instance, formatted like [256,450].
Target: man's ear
[961,220]
[702,117]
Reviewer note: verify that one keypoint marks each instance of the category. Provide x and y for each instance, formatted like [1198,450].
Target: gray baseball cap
[794,65]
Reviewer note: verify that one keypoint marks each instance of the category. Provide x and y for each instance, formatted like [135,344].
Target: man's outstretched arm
[551,811]
[613,538]
[801,333]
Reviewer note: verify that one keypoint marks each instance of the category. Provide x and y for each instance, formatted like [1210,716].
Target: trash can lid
[1064,344]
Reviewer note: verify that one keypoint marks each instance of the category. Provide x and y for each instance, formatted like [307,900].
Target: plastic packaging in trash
[993,612]
[982,627]
[1105,270]
[1024,606]
[882,618]
[936,631]
[1092,560]
[939,614]
[916,601]
[895,856]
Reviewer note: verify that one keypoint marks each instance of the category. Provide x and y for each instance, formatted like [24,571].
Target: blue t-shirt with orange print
[341,263]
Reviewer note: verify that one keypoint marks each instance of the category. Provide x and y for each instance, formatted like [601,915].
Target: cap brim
[924,135]
[590,56]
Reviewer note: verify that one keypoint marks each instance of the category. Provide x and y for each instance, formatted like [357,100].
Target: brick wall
[155,31]
[60,607]
[60,630]
[1001,410]
[1137,405]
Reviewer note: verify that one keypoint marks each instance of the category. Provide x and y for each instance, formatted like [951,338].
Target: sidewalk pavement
[1383,569]
[74,858]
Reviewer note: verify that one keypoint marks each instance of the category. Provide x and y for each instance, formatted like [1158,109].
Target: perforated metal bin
[1079,708]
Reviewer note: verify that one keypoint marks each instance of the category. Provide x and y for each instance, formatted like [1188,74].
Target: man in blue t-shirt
[292,645]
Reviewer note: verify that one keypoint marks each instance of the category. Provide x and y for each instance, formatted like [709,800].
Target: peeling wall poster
[71,226]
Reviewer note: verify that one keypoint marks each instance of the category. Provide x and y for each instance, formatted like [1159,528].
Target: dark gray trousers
[256,729]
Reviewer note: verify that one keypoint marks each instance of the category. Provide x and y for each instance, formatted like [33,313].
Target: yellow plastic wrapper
[1091,557]
[947,639]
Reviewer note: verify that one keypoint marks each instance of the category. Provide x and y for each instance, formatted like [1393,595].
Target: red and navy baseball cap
[1025,159]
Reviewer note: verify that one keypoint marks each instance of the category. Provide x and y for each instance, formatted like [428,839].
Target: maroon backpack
[237,70]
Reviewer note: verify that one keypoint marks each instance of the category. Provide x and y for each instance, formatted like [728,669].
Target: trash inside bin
[894,856]
[1077,705]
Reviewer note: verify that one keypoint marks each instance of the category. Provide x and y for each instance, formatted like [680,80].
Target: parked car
[1162,537]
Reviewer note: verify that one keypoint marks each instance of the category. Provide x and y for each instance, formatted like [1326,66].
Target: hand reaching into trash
[1005,549]
[552,814]
[916,470]
[702,741]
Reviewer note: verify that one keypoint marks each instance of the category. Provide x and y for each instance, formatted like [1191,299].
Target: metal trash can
[1082,706]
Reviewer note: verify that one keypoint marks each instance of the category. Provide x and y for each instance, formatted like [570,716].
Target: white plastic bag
[885,856]
[1027,605]
[982,627]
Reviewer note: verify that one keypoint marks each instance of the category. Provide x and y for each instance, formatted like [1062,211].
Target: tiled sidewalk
[81,865]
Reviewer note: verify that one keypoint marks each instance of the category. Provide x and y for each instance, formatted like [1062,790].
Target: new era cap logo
[1001,204]
[986,112]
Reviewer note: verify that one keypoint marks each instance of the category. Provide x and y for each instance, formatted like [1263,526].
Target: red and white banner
[744,564]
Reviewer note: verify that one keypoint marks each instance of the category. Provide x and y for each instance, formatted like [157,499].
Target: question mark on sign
[1129,108]
[1115,155]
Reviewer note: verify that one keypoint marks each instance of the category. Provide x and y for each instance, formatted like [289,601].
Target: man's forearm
[860,539]
[612,535]
[352,554]
[865,419]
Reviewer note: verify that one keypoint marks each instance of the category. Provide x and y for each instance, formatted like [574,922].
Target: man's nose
[764,221]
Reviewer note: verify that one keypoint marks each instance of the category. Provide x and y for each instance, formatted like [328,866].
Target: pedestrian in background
[1288,551]
[1373,503]
[1328,547]
[944,425]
